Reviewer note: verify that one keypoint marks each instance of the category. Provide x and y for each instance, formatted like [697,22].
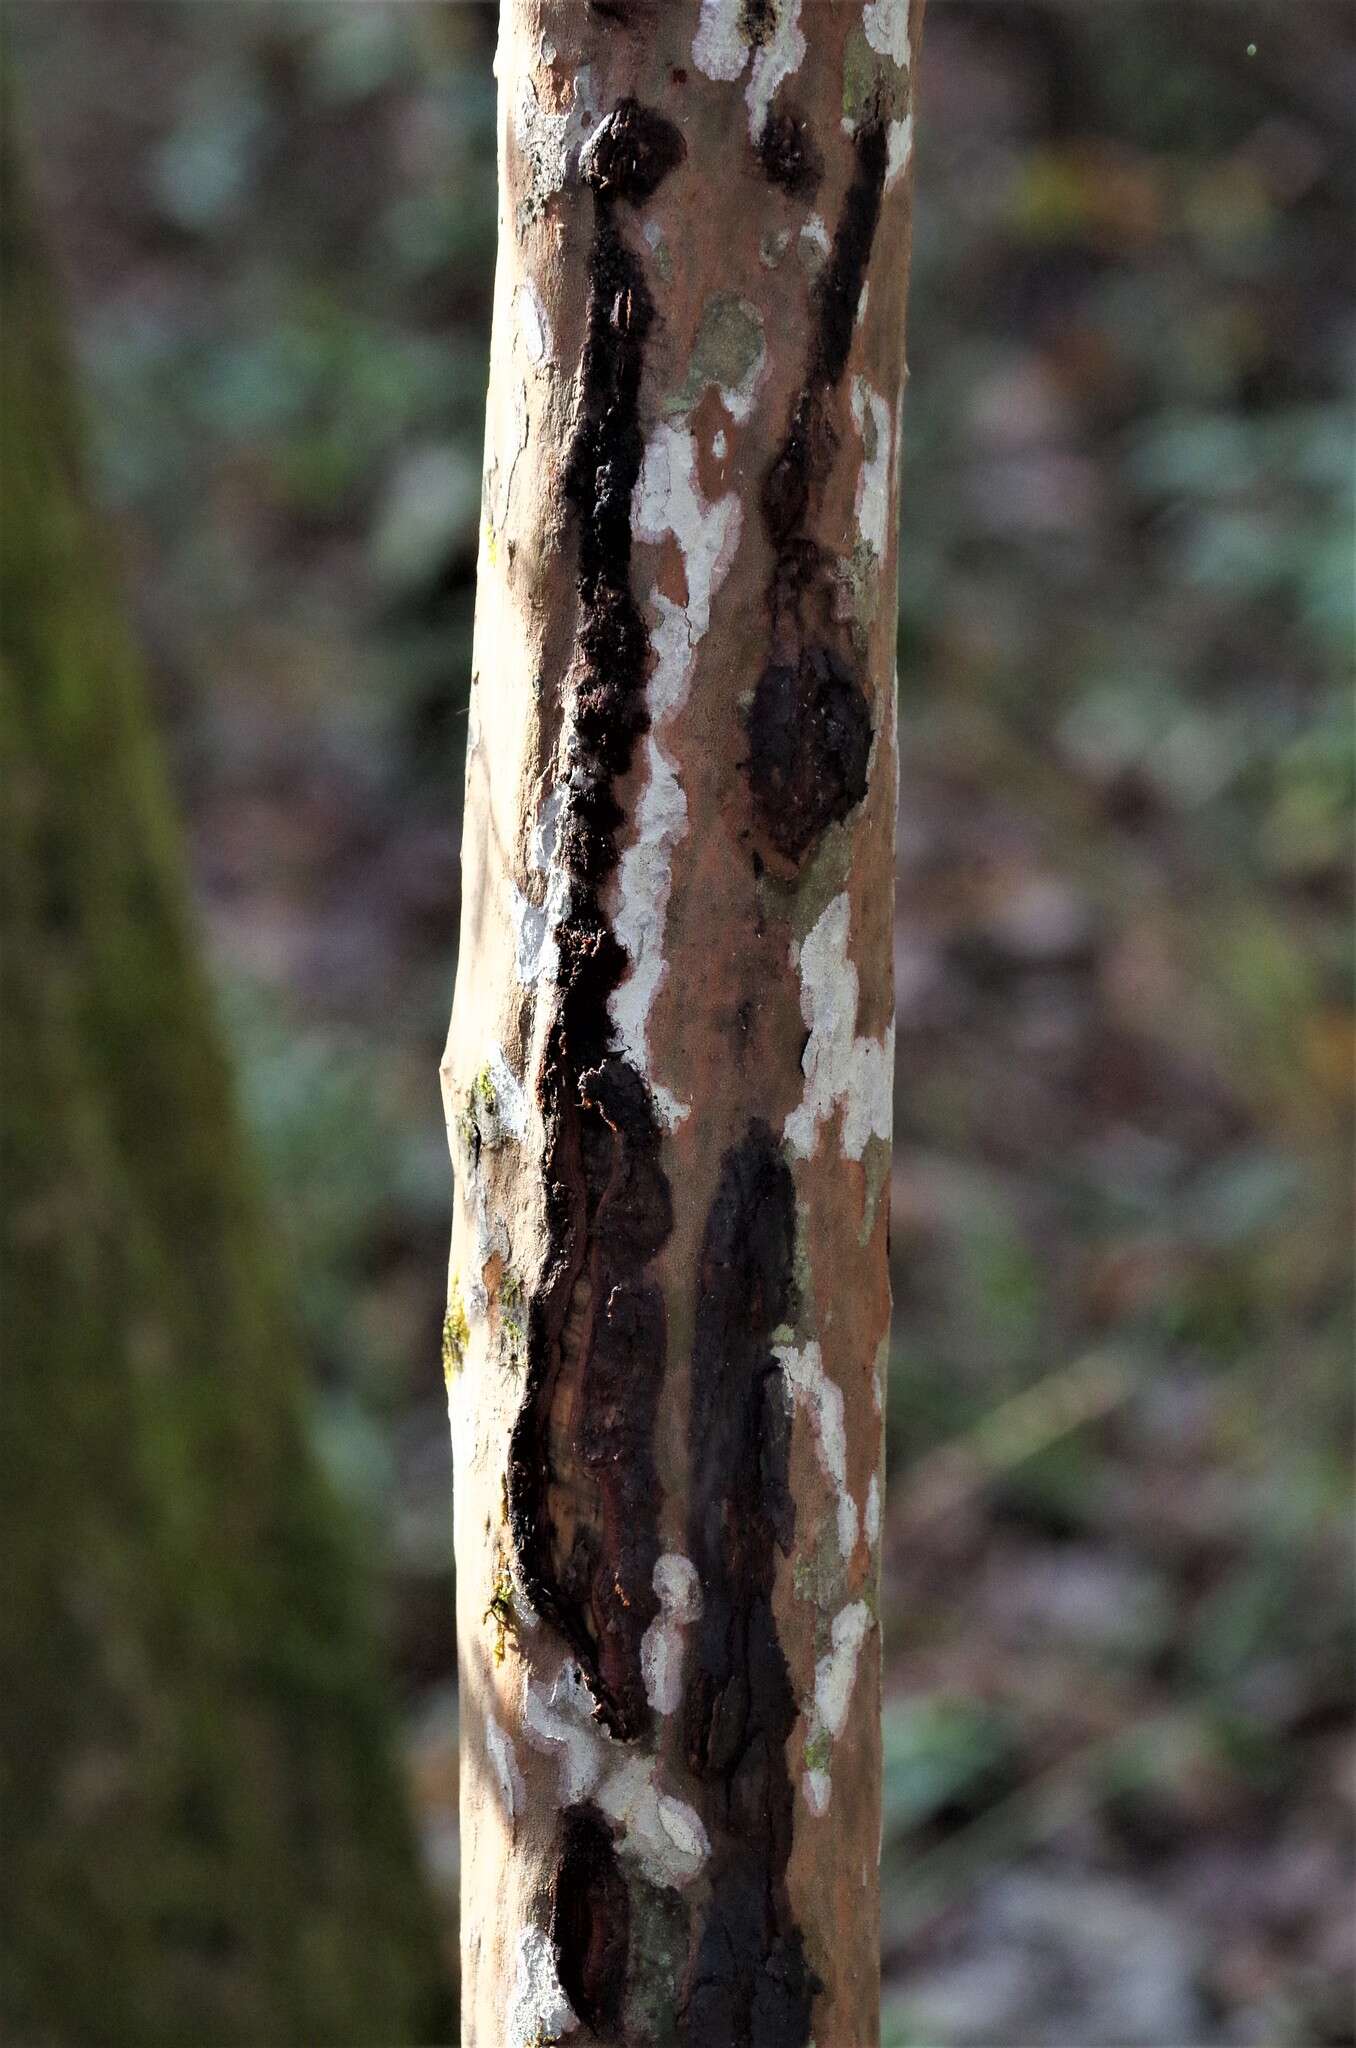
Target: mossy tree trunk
[205,1837]
[669,1070]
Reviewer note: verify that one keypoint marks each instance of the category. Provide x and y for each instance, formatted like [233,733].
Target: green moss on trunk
[205,1837]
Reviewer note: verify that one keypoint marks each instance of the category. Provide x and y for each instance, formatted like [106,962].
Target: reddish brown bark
[668,1074]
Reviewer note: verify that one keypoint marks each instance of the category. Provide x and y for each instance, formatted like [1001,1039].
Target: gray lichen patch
[820,1578]
[729,352]
[657,1953]
[875,87]
[859,592]
[876,1162]
[548,142]
[773,247]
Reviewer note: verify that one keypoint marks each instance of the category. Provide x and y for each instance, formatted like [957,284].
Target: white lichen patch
[504,1764]
[835,1676]
[542,848]
[532,323]
[813,1390]
[813,244]
[539,2012]
[668,500]
[898,148]
[529,936]
[560,1719]
[661,1649]
[875,424]
[719,48]
[644,880]
[548,142]
[778,59]
[842,1071]
[886,23]
[818,1790]
[536,925]
[501,1105]
[871,1519]
[836,1671]
[659,1833]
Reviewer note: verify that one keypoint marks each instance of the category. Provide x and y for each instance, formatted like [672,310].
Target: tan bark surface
[669,1071]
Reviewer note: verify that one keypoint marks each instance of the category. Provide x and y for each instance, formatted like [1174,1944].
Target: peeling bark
[668,1072]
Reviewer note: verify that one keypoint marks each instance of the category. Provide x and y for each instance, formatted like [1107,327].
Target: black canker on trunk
[590,1919]
[749,1983]
[809,725]
[583,1490]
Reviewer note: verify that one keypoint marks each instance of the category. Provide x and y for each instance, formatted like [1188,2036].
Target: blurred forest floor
[1121,1771]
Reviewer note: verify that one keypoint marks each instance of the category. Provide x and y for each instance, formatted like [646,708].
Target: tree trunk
[668,1076]
[205,1839]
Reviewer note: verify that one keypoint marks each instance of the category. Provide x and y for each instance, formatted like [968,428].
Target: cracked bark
[668,1072]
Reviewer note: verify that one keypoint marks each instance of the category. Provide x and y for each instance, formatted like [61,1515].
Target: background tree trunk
[205,1839]
[669,1071]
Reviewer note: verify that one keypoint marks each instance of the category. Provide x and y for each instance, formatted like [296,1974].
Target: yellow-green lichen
[477,1120]
[512,1321]
[456,1333]
[502,1614]
[818,1751]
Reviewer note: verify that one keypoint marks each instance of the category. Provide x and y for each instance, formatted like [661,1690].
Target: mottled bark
[669,1071]
[204,1833]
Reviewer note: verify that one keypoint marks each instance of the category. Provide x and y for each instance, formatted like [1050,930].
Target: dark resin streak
[749,1983]
[583,1490]
[809,725]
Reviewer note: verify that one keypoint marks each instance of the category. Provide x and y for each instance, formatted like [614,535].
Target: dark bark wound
[590,1919]
[583,1490]
[809,725]
[749,1983]
[787,152]
[809,744]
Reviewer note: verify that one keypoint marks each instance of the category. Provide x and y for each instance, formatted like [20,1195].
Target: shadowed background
[1120,1770]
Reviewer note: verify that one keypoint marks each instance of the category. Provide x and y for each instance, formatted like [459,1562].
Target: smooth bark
[668,1077]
